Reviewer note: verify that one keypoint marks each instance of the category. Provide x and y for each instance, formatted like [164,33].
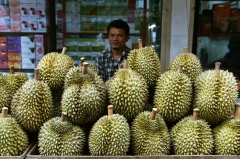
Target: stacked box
[14,52]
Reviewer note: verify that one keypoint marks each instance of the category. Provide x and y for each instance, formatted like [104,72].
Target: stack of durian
[139,111]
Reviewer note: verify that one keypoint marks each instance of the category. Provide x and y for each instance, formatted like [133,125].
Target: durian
[149,134]
[110,135]
[127,92]
[13,139]
[191,64]
[215,94]
[84,97]
[146,62]
[192,136]
[173,95]
[54,67]
[227,135]
[91,66]
[9,84]
[32,104]
[59,137]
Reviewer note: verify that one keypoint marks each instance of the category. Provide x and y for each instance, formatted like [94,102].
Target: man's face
[117,38]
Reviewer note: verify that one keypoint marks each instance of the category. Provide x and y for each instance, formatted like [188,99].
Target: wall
[179,27]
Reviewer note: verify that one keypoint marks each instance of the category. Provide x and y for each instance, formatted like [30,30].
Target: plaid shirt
[107,65]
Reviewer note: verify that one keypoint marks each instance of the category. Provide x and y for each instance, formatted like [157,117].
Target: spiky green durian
[146,62]
[15,79]
[227,135]
[59,137]
[91,66]
[110,135]
[173,95]
[84,97]
[191,64]
[32,104]
[54,67]
[13,139]
[192,136]
[57,97]
[5,93]
[127,91]
[149,134]
[216,93]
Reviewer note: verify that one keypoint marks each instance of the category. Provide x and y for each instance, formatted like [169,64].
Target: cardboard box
[28,41]
[28,63]
[3,64]
[3,47]
[17,56]
[4,24]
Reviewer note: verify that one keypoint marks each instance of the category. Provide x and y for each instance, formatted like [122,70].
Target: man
[108,60]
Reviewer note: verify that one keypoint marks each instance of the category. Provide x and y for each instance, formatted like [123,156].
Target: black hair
[120,24]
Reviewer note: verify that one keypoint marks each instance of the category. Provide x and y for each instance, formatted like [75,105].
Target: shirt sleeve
[100,66]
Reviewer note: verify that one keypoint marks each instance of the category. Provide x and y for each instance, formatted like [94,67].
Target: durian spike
[12,69]
[82,59]
[36,73]
[195,114]
[64,116]
[64,50]
[237,112]
[217,65]
[180,67]
[140,43]
[185,50]
[4,112]
[125,66]
[85,67]
[153,114]
[110,110]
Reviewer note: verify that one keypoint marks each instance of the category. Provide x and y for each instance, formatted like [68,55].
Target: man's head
[118,34]
[119,24]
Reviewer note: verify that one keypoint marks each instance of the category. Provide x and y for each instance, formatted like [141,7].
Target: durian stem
[12,69]
[64,116]
[153,114]
[82,59]
[64,50]
[85,68]
[4,112]
[237,112]
[180,66]
[120,66]
[185,50]
[140,43]
[110,110]
[125,64]
[36,73]
[217,65]
[195,114]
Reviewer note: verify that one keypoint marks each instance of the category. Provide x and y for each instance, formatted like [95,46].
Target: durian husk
[128,92]
[227,135]
[61,138]
[54,66]
[150,136]
[192,66]
[84,97]
[215,94]
[192,136]
[32,104]
[146,62]
[173,95]
[13,139]
[109,136]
